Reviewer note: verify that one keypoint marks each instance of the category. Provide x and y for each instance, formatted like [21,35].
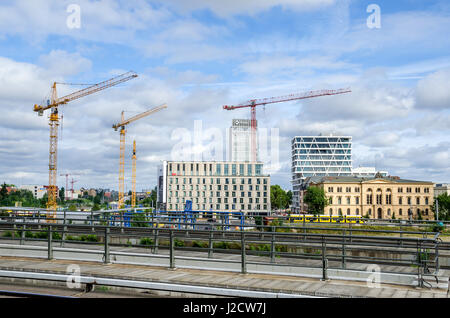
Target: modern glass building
[319,156]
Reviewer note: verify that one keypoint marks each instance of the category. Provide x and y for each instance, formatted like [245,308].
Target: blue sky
[199,55]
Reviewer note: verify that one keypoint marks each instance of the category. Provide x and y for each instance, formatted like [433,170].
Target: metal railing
[247,243]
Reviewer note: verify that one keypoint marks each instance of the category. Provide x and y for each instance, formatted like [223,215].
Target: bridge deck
[210,278]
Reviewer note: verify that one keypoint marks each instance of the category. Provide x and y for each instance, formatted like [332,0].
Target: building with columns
[377,197]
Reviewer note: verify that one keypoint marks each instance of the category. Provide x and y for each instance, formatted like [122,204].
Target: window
[379,197]
[409,200]
[426,200]
[241,169]
[218,169]
[249,169]
[258,169]
[330,189]
[418,200]
[225,169]
[369,199]
[400,200]
[399,211]
[400,190]
[357,211]
[388,199]
[348,211]
[331,212]
[356,200]
[339,200]
[233,169]
[348,189]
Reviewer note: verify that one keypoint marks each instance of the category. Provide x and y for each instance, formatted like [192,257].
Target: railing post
[272,246]
[122,220]
[50,243]
[401,234]
[350,225]
[22,235]
[243,256]
[172,250]
[63,236]
[92,220]
[343,250]
[436,254]
[14,230]
[324,260]
[304,227]
[419,266]
[106,256]
[155,247]
[211,244]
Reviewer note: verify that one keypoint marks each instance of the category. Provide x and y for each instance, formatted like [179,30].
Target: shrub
[89,238]
[146,241]
[199,244]
[178,243]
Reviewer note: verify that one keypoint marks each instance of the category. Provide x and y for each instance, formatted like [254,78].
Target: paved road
[101,292]
[210,278]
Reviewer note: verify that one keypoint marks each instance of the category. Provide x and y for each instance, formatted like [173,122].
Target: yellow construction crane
[133,176]
[122,125]
[53,103]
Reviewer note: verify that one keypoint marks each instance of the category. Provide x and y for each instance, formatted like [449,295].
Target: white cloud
[433,92]
[62,63]
[248,7]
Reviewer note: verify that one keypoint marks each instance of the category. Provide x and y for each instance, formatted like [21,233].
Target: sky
[197,56]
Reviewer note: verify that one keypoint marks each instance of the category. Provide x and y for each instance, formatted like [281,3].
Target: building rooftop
[352,179]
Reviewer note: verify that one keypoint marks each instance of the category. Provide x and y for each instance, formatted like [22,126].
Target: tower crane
[272,100]
[124,122]
[53,104]
[71,190]
[66,190]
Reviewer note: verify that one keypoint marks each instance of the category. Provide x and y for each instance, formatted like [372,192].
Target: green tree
[316,200]
[96,207]
[72,207]
[278,197]
[444,207]
[62,194]
[3,194]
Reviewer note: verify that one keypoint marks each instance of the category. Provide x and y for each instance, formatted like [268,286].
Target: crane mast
[123,123]
[253,103]
[133,176]
[53,103]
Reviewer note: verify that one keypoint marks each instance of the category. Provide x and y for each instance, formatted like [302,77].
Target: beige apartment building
[214,186]
[378,197]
